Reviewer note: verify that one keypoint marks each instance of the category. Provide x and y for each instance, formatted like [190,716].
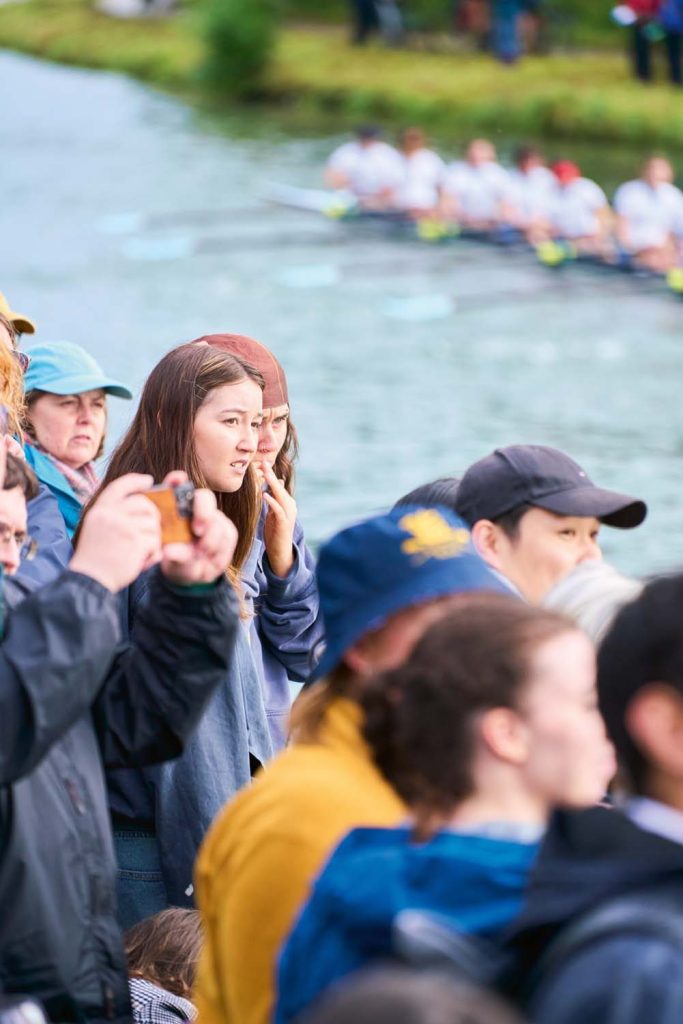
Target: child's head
[164,949]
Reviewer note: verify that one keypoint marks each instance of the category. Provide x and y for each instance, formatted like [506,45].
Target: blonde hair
[11,381]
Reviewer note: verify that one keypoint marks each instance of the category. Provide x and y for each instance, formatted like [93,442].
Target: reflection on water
[131,224]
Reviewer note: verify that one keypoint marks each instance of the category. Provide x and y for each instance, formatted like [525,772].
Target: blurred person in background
[65,422]
[648,211]
[440,492]
[530,188]
[381,583]
[579,212]
[394,995]
[368,167]
[200,409]
[474,189]
[162,953]
[76,698]
[418,192]
[19,324]
[592,595]
[279,573]
[365,20]
[600,936]
[489,724]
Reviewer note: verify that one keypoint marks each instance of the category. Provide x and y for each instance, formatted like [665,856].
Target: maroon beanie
[257,355]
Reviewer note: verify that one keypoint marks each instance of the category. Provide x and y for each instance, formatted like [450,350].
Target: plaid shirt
[154,1005]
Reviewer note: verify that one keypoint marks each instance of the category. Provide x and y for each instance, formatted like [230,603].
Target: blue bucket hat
[376,568]
[66,369]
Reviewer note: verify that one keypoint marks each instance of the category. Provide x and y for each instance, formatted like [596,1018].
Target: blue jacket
[46,526]
[671,15]
[48,474]
[587,860]
[179,799]
[286,628]
[374,874]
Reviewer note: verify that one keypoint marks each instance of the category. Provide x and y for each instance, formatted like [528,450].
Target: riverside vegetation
[582,94]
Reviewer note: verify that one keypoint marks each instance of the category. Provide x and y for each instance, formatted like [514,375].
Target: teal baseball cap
[66,369]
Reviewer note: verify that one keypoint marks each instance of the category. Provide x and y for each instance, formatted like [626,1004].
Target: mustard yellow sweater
[264,851]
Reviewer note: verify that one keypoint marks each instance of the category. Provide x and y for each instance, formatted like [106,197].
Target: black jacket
[598,860]
[74,700]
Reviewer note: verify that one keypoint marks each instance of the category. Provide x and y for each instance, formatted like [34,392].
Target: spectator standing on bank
[505,30]
[365,21]
[671,20]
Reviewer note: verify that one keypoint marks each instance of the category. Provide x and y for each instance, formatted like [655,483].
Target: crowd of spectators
[473,812]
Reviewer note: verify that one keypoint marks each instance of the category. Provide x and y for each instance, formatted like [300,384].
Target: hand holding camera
[198,540]
[120,536]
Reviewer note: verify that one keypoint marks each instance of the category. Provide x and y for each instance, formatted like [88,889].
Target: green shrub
[239,36]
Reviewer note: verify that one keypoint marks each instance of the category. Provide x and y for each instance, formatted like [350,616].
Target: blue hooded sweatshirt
[475,881]
[286,628]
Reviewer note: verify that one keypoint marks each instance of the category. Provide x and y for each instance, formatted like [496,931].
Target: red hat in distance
[566,171]
[257,355]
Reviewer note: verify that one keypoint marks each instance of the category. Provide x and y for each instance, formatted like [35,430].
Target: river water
[132,223]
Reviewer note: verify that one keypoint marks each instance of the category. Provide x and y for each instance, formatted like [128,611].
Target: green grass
[574,95]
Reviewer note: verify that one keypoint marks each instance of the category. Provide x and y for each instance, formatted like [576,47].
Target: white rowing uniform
[370,169]
[530,193]
[422,174]
[574,209]
[651,214]
[478,191]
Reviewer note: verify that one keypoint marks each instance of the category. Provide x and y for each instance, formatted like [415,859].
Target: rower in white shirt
[531,186]
[368,167]
[474,189]
[418,191]
[649,213]
[579,211]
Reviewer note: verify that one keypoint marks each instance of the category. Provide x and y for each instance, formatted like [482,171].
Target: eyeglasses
[22,358]
[27,545]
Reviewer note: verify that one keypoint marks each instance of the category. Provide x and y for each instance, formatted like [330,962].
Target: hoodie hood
[588,857]
[376,873]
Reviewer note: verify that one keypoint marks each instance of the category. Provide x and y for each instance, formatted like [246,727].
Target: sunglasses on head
[22,358]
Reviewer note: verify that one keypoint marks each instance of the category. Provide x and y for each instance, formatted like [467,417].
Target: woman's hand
[278,531]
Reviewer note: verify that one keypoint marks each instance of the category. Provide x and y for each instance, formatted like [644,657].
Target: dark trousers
[642,55]
[365,20]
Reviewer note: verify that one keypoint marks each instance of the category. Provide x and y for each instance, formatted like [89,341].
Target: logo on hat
[431,536]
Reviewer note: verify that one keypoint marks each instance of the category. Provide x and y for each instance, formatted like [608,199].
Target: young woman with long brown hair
[199,411]
[286,627]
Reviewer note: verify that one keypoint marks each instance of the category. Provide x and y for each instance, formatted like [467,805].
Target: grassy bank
[584,96]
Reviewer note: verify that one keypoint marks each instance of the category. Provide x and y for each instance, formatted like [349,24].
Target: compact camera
[175,505]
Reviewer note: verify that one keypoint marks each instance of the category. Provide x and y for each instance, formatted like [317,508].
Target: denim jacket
[178,800]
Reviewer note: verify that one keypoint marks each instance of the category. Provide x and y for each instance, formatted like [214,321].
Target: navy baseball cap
[526,474]
[390,562]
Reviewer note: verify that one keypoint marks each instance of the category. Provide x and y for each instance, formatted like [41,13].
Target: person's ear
[654,719]
[358,659]
[505,735]
[486,537]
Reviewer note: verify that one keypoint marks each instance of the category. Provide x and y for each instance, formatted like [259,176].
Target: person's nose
[11,555]
[266,439]
[590,550]
[249,440]
[85,413]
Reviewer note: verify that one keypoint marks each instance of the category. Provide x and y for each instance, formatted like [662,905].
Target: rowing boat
[343,206]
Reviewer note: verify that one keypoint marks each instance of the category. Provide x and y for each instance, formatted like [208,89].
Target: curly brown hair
[420,719]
